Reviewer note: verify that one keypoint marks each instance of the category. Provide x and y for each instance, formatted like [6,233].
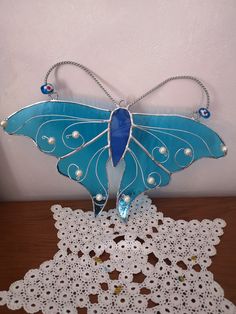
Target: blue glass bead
[123,209]
[204,113]
[47,88]
[119,133]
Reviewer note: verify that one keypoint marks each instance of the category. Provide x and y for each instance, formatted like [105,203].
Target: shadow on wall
[10,182]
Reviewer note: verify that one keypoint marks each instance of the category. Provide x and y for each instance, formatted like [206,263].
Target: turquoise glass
[85,138]
[62,129]
[58,120]
[91,160]
[161,145]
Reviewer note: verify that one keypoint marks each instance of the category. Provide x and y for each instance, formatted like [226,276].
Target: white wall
[133,45]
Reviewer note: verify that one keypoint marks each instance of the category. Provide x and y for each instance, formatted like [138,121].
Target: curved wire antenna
[117,104]
[172,78]
[86,70]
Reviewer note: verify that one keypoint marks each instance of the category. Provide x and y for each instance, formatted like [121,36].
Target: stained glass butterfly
[85,138]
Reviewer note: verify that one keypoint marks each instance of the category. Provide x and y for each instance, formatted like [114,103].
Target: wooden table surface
[28,236]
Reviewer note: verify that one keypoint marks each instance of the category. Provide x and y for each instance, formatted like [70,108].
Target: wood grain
[28,236]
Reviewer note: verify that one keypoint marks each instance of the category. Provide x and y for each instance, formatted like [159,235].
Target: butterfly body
[120,132]
[84,138]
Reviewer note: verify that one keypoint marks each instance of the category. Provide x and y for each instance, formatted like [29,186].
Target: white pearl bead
[224,149]
[3,123]
[162,150]
[51,140]
[188,152]
[150,180]
[79,173]
[99,197]
[126,198]
[75,134]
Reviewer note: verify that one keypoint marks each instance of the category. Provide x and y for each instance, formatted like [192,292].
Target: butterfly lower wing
[75,133]
[176,141]
[159,146]
[139,167]
[58,127]
[90,162]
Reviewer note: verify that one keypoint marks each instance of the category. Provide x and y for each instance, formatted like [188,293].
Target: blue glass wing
[176,141]
[90,162]
[72,131]
[58,127]
[159,146]
[139,167]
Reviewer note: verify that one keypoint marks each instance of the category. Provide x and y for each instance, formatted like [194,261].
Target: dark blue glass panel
[119,133]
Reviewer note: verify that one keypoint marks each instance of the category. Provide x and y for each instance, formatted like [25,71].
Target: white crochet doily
[152,264]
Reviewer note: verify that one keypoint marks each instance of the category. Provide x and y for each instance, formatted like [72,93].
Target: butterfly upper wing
[164,144]
[58,120]
[70,131]
[179,135]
